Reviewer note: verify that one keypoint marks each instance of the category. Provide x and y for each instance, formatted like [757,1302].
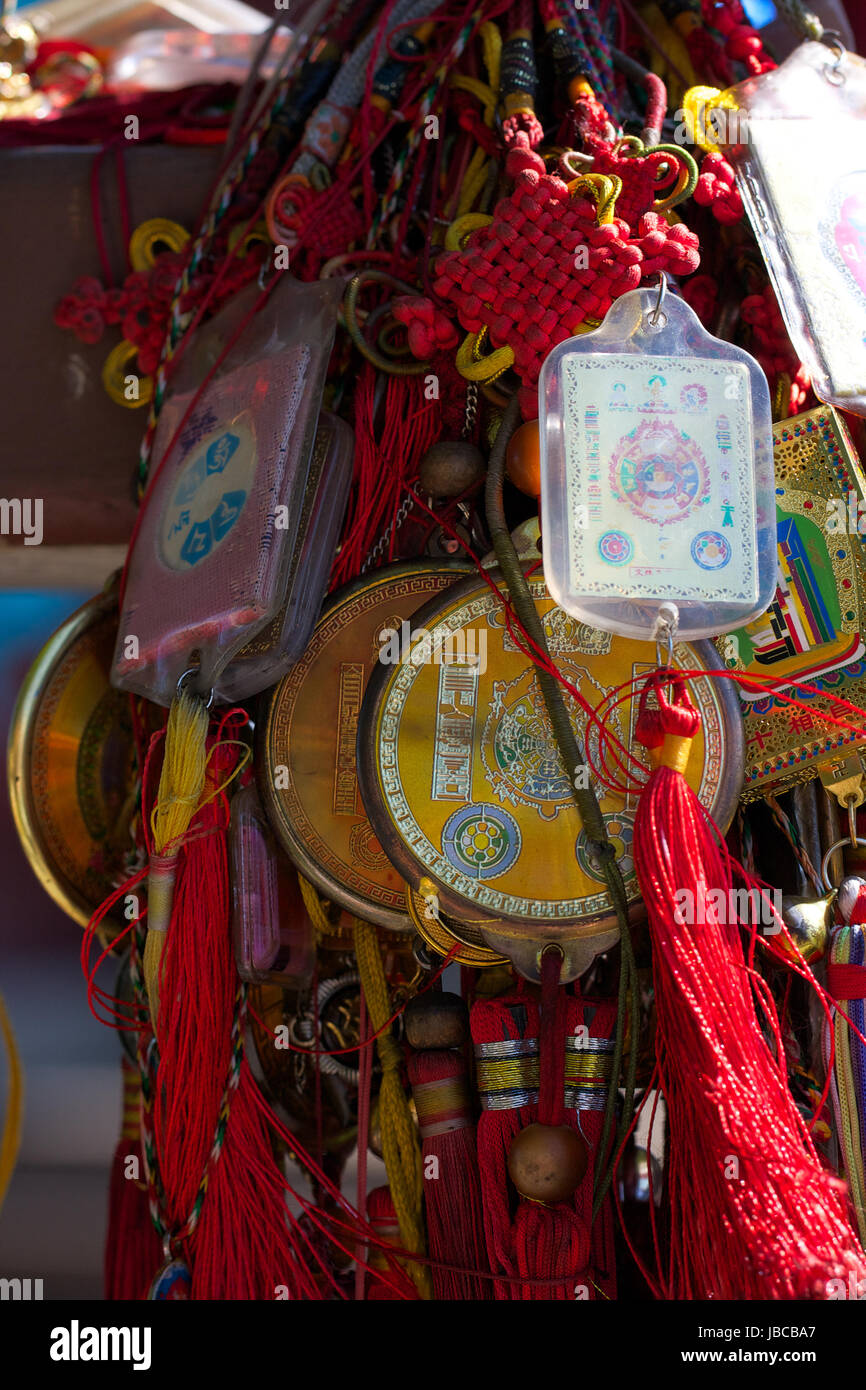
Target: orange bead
[523,459]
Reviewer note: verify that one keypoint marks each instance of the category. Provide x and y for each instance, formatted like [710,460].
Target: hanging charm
[656,473]
[795,137]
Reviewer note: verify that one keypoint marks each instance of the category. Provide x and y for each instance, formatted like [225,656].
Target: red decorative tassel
[224,1195]
[545,1251]
[389,1282]
[132,1250]
[452,1189]
[754,1215]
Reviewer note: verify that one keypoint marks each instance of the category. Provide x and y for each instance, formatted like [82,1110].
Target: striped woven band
[508,1073]
[442,1106]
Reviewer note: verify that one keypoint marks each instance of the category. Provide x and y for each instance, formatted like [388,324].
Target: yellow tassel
[181,793]
[401,1146]
[11,1139]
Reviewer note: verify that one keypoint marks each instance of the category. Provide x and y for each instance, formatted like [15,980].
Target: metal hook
[666,626]
[825,862]
[663,285]
[851,802]
[832,71]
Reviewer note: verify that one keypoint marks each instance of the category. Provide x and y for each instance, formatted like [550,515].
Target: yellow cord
[315,908]
[840,954]
[11,1140]
[181,787]
[401,1146]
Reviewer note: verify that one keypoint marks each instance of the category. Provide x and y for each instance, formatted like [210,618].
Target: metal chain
[385,539]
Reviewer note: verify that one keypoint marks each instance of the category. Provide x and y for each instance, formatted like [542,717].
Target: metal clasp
[665,632]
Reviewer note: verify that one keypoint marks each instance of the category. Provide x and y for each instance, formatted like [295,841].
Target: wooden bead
[449,468]
[523,459]
[436,1021]
[547,1162]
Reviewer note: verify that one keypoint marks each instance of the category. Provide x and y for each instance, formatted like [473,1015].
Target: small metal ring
[840,844]
[832,71]
[307,1044]
[194,671]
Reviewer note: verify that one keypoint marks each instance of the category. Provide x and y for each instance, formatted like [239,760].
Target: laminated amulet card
[656,473]
[795,137]
[220,524]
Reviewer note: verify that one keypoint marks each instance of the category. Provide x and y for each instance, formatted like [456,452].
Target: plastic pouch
[796,138]
[210,563]
[267,658]
[656,474]
[273,936]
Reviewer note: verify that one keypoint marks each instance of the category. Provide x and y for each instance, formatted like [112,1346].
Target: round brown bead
[449,468]
[547,1162]
[436,1021]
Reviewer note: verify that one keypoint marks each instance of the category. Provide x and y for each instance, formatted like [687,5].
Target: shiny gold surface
[71,764]
[817,473]
[441,934]
[462,779]
[307,764]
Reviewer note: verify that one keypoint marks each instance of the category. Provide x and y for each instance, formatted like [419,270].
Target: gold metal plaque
[307,767]
[462,779]
[71,764]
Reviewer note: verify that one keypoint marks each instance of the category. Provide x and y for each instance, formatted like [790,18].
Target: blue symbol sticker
[211,497]
[198,543]
[226,514]
[220,452]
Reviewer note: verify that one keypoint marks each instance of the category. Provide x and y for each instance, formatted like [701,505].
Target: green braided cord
[585,800]
[156,1192]
[350,317]
[592,57]
[389,201]
[804,21]
[178,321]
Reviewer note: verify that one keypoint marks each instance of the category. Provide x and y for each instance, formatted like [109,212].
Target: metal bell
[809,923]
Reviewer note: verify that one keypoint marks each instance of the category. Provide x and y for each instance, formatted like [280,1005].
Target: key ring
[856,843]
[833,71]
[194,671]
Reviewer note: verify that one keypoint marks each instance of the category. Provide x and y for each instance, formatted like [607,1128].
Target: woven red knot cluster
[717,190]
[772,347]
[543,267]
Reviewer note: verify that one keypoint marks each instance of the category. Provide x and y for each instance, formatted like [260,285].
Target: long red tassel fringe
[754,1215]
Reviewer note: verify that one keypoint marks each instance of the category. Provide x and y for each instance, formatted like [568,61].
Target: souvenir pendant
[72,766]
[171,1284]
[273,936]
[796,140]
[210,562]
[656,474]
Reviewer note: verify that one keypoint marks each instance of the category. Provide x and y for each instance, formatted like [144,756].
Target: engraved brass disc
[441,934]
[463,782]
[307,770]
[71,764]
